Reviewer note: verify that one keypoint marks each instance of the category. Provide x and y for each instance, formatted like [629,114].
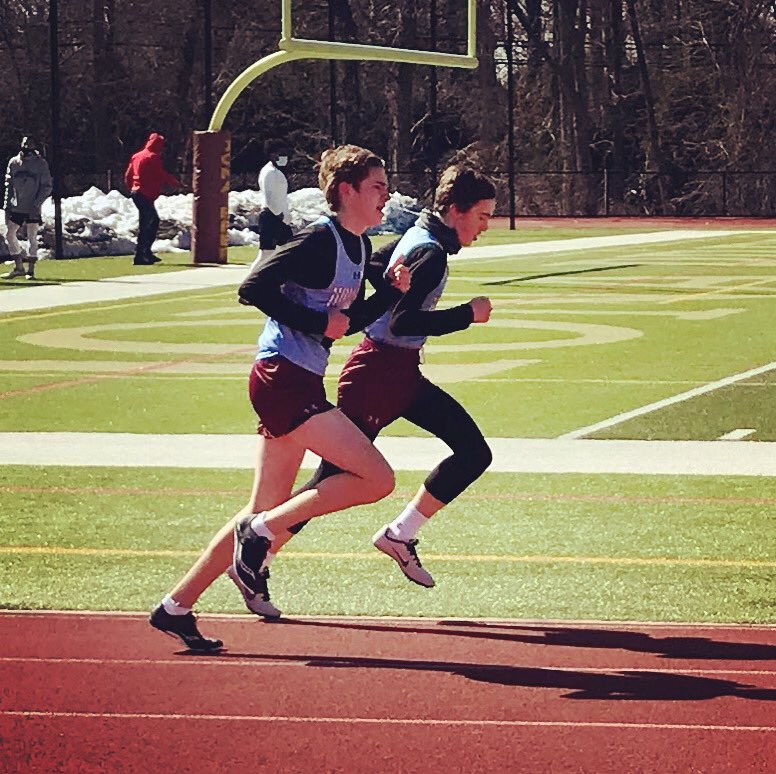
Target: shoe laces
[188,625]
[264,592]
[413,551]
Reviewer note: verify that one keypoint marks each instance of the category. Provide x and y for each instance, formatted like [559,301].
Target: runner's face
[365,204]
[470,224]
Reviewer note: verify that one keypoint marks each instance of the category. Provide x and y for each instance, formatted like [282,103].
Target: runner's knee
[481,458]
[380,484]
[461,469]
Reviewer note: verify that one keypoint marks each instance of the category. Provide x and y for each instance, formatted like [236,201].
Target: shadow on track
[592,685]
[570,637]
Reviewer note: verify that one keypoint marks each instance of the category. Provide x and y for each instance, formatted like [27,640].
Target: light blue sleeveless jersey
[307,349]
[379,331]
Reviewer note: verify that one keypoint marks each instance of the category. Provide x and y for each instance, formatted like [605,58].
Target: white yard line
[511,455]
[588,243]
[120,288]
[737,435]
[661,404]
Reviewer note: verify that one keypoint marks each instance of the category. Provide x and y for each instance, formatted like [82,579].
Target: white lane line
[381,721]
[320,661]
[737,435]
[682,396]
[431,622]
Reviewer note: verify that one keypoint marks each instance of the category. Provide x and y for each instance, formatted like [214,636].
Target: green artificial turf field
[579,338]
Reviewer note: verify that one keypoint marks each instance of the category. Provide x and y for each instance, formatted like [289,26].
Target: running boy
[312,290]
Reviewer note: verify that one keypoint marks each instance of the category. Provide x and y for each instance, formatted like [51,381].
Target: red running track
[106,693]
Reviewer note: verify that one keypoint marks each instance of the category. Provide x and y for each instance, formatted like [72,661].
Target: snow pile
[97,223]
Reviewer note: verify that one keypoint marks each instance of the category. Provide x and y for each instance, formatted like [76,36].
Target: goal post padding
[212,153]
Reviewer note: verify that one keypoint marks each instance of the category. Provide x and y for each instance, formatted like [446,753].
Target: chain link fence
[548,194]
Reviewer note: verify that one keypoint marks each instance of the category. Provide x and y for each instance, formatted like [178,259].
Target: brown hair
[462,186]
[344,164]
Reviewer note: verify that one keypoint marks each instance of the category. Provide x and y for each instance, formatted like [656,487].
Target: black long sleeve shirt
[426,266]
[309,260]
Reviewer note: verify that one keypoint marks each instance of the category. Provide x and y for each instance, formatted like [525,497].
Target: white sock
[173,608]
[260,528]
[406,525]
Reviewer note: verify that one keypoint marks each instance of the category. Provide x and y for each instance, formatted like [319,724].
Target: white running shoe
[256,603]
[404,554]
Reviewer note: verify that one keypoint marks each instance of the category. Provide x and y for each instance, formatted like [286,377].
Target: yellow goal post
[212,148]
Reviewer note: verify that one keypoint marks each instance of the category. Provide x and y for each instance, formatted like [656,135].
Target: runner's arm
[308,260]
[364,311]
[427,266]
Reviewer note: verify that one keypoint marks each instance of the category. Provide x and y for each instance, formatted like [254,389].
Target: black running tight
[444,417]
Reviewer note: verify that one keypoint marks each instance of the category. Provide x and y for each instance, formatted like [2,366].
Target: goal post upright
[211,180]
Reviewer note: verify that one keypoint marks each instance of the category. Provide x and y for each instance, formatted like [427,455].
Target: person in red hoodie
[145,175]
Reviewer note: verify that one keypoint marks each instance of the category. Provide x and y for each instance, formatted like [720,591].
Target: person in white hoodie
[27,186]
[274,228]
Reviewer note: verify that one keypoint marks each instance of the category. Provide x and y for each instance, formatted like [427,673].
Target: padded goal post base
[210,182]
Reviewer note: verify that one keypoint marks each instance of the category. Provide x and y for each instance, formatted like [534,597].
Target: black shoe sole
[193,648]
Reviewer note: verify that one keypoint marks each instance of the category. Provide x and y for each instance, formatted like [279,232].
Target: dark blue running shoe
[250,551]
[184,627]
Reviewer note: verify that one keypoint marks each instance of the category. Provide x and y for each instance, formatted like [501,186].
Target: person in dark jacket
[144,177]
[27,186]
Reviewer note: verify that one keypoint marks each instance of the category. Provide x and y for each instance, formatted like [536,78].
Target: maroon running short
[379,382]
[285,395]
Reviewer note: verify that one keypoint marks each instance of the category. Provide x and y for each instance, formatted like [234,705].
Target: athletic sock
[173,608]
[406,525]
[260,528]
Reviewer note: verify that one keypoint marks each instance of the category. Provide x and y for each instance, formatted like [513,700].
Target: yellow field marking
[608,499]
[202,372]
[374,555]
[81,338]
[85,338]
[716,292]
[142,368]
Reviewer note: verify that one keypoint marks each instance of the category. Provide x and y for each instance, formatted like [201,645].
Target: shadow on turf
[33,283]
[570,637]
[561,274]
[631,686]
